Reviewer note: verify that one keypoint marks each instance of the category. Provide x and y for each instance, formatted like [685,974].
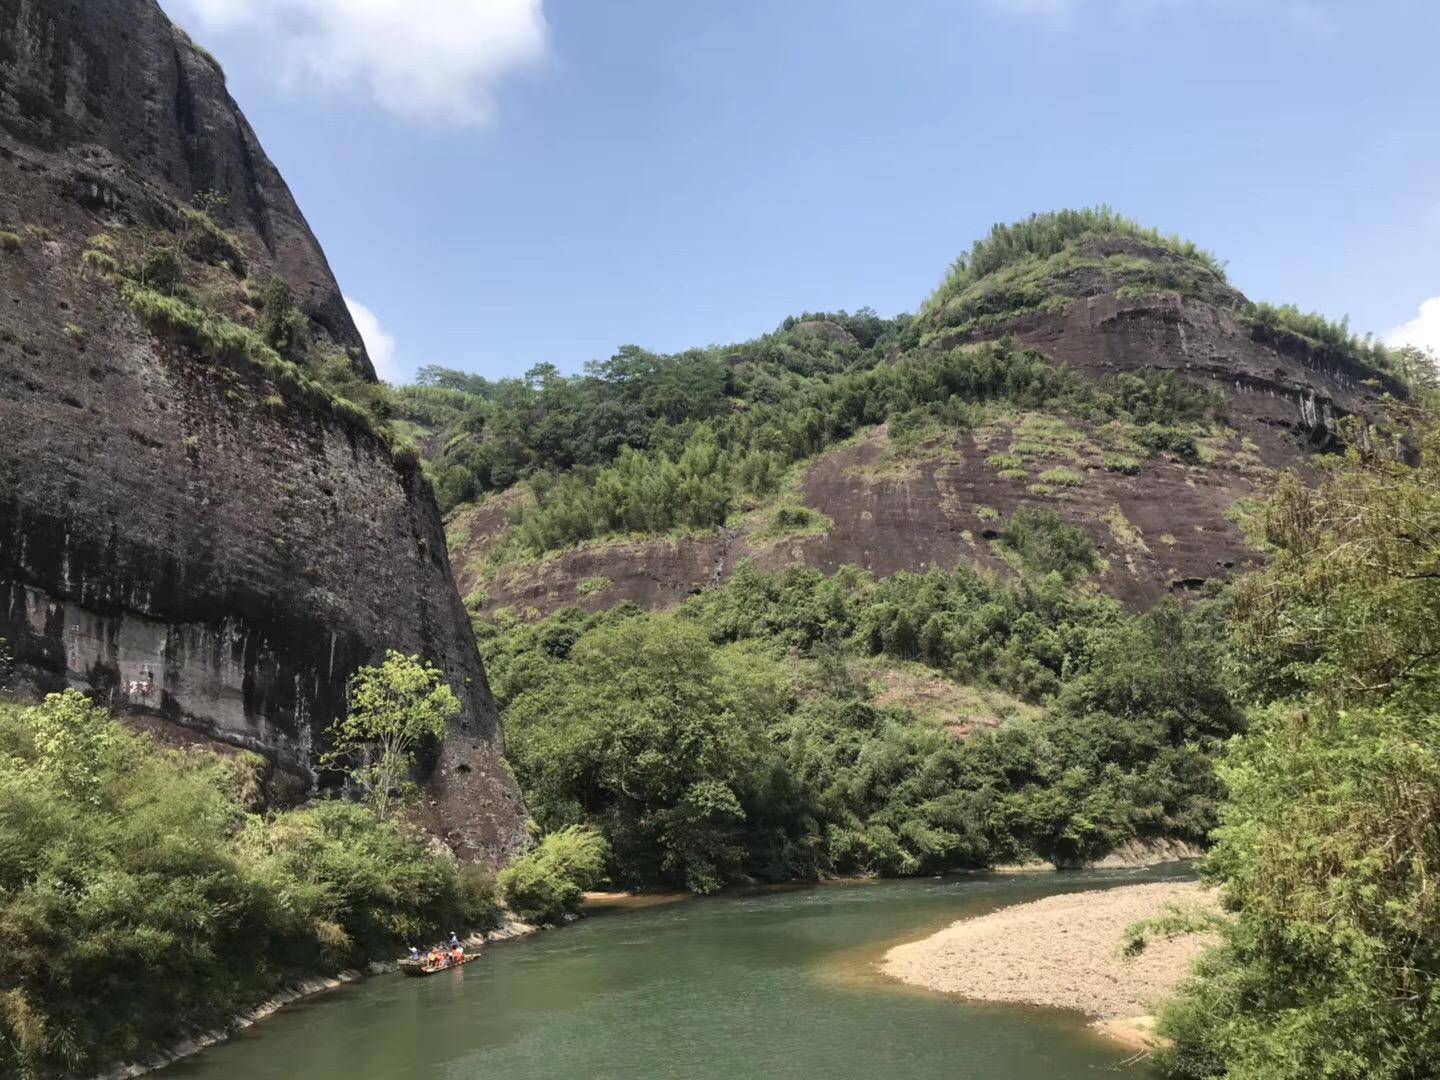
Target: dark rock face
[173,535]
[121,101]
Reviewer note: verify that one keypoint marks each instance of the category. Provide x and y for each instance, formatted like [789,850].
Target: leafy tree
[1331,964]
[139,899]
[75,743]
[281,323]
[549,882]
[393,707]
[655,735]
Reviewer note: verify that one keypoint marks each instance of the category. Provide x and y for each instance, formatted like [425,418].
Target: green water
[778,985]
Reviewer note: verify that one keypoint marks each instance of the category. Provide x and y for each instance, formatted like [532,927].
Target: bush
[1061,476]
[548,883]
[10,241]
[1044,544]
[1158,439]
[139,900]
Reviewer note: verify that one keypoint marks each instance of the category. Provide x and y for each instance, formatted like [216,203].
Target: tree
[546,884]
[393,707]
[1327,848]
[282,323]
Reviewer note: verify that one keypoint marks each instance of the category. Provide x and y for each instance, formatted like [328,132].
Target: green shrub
[1158,439]
[100,263]
[591,585]
[202,238]
[139,899]
[548,883]
[1061,477]
[283,326]
[160,270]
[1045,544]
[1121,463]
[10,241]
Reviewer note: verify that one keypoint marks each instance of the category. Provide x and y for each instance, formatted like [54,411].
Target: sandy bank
[1063,951]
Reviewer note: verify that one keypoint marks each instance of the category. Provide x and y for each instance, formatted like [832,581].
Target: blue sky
[506,182]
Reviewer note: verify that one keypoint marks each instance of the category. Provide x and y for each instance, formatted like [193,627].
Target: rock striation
[175,536]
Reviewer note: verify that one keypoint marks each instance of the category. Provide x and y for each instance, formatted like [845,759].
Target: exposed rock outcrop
[175,535]
[1163,527]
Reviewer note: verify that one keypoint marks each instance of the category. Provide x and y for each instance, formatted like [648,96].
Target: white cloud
[429,60]
[379,344]
[1422,331]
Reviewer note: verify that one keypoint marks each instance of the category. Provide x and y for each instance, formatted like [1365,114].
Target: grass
[591,585]
[217,338]
[1121,463]
[782,514]
[959,708]
[789,520]
[10,241]
[1061,477]
[1123,529]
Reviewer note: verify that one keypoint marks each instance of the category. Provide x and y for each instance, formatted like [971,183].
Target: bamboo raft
[418,968]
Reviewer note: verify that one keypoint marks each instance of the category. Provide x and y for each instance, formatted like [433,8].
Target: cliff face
[174,534]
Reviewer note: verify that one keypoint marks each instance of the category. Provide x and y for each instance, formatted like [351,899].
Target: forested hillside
[889,595]
[1075,361]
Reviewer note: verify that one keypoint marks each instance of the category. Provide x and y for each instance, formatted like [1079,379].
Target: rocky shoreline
[508,930]
[1063,952]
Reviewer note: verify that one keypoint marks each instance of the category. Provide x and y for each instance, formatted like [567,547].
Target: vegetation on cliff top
[190,286]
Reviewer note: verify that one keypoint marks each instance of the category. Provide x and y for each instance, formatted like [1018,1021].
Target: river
[777,985]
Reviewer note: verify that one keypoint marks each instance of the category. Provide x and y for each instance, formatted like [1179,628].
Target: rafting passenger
[414,953]
[454,941]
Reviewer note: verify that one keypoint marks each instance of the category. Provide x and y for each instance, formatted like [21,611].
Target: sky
[501,183]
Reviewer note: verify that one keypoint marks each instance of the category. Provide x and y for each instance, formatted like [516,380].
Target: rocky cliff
[202,538]
[1106,305]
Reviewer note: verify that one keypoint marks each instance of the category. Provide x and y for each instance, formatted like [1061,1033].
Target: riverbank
[1063,952]
[508,930]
